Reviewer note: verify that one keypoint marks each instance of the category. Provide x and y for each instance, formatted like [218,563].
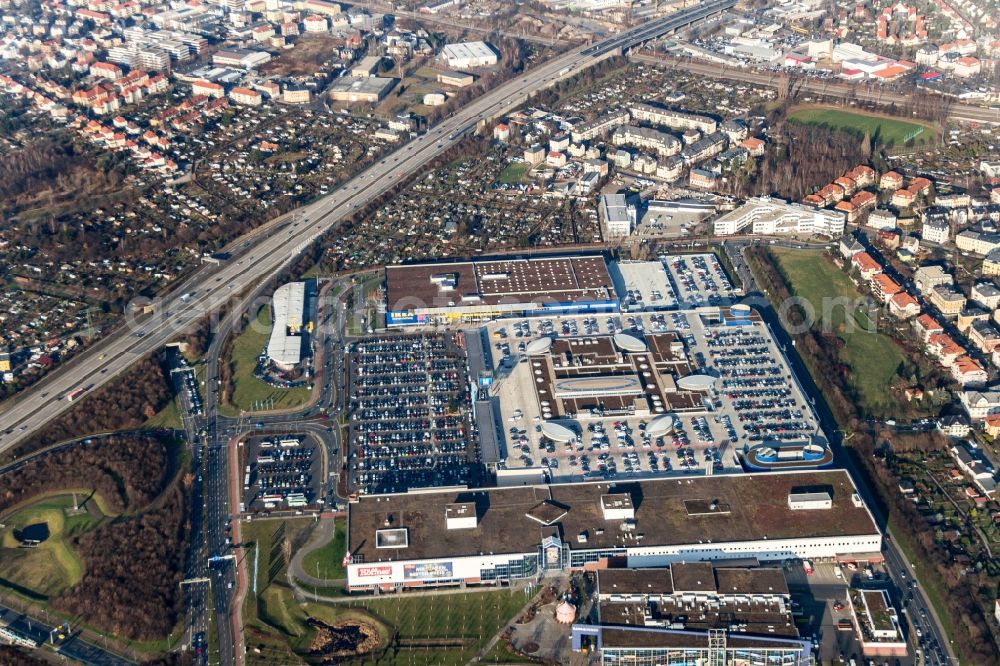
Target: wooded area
[800,157]
[133,567]
[45,172]
[127,471]
[125,403]
[133,563]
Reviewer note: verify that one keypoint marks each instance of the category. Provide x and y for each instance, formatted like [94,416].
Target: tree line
[127,471]
[967,591]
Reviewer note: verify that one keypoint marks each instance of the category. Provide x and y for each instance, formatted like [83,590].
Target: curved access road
[212,286]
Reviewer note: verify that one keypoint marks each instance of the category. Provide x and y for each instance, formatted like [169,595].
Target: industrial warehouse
[457,537]
[447,293]
[284,347]
[419,295]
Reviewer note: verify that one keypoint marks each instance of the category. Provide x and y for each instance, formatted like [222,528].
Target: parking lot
[187,376]
[410,413]
[281,472]
[698,279]
[753,397]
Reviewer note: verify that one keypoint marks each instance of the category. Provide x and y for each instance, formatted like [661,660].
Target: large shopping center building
[453,537]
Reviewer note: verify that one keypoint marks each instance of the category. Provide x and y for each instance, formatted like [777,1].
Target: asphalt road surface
[898,567]
[213,285]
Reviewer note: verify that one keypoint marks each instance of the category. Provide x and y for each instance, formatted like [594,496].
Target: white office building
[617,216]
[768,216]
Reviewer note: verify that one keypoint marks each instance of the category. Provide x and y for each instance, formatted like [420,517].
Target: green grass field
[168,417]
[474,617]
[885,131]
[873,357]
[53,566]
[247,389]
[362,295]
[326,562]
[514,173]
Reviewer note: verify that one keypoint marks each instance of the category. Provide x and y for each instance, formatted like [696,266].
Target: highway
[209,288]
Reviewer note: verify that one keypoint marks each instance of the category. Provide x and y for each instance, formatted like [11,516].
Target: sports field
[872,356]
[53,565]
[884,130]
[514,173]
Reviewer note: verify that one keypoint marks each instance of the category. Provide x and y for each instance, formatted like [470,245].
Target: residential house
[977,242]
[986,294]
[884,287]
[903,306]
[890,180]
[949,301]
[850,246]
[991,263]
[866,265]
[935,231]
[991,425]
[980,404]
[953,425]
[968,372]
[880,218]
[984,336]
[942,347]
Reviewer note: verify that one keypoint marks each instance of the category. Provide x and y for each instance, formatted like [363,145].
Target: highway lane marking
[382,180]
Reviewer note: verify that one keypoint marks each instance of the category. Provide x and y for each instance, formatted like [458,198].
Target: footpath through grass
[429,630]
[248,390]
[873,357]
[463,622]
[884,130]
[327,561]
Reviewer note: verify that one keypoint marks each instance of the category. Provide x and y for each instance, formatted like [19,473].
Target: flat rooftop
[374,85]
[645,284]
[771,618]
[676,579]
[578,374]
[635,637]
[757,509]
[494,282]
